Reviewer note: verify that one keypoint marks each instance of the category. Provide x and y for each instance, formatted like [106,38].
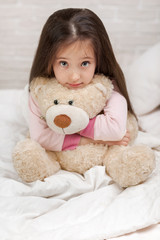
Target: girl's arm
[124,141]
[40,132]
[110,126]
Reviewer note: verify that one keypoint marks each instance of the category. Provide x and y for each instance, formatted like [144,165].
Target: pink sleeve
[89,130]
[71,141]
[110,126]
[47,138]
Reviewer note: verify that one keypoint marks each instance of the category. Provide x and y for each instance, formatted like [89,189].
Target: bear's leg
[32,162]
[129,165]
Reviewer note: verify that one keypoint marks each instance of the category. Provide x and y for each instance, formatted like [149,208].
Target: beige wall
[133,26]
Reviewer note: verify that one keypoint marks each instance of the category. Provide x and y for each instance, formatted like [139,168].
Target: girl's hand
[85,141]
[124,141]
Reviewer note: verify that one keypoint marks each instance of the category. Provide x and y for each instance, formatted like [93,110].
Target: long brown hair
[67,26]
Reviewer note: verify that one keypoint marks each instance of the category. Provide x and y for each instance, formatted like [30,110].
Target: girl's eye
[85,64]
[63,63]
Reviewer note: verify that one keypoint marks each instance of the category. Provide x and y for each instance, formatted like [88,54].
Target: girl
[74,46]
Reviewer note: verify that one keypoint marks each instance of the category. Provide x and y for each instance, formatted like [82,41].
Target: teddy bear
[68,111]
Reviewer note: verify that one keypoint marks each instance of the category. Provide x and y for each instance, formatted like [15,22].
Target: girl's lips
[74,85]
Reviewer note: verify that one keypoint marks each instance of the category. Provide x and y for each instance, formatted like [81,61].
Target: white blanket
[68,206]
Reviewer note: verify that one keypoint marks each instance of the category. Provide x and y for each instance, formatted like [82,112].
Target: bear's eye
[55,101]
[70,102]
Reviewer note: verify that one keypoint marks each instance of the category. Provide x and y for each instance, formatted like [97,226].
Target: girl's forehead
[85,47]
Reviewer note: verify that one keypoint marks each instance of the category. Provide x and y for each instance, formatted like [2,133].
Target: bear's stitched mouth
[63,130]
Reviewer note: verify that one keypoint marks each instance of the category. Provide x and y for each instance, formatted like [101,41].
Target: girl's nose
[75,76]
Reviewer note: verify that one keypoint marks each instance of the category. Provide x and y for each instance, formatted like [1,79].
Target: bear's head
[68,111]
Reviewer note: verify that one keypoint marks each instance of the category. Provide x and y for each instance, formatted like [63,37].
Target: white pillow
[151,122]
[143,81]
[24,103]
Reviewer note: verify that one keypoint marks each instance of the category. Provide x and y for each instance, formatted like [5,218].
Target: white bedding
[68,206]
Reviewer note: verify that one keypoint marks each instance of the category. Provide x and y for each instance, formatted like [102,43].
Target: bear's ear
[102,88]
[103,84]
[37,84]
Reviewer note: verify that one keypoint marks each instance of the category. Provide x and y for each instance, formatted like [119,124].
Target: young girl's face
[75,64]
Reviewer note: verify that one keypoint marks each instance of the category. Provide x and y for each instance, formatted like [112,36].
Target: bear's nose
[62,121]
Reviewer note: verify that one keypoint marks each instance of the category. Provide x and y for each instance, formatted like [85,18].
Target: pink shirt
[110,126]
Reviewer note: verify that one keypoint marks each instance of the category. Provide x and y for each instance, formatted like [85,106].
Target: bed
[69,206]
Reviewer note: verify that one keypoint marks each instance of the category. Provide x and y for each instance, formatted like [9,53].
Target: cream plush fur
[68,111]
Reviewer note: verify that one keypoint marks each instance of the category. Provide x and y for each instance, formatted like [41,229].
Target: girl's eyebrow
[85,57]
[61,58]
